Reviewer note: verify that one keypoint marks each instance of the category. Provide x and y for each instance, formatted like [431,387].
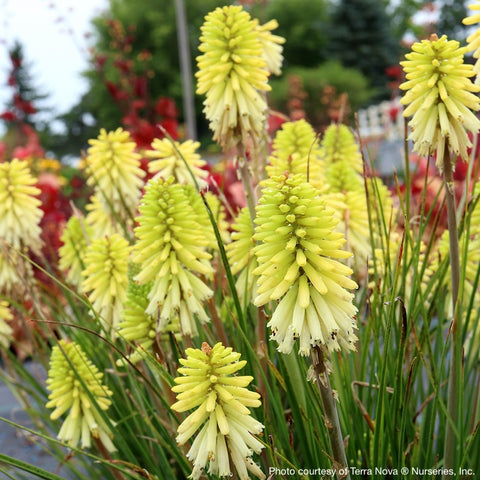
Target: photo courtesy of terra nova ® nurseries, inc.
[289,289]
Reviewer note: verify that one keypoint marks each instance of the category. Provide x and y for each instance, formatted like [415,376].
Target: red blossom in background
[141,114]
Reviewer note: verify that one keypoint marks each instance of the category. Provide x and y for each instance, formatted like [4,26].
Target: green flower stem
[455,332]
[330,411]
[246,178]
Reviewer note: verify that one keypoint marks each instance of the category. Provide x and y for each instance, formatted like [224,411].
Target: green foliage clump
[329,74]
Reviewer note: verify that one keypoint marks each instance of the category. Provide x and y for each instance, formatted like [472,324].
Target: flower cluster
[75,238]
[441,97]
[171,250]
[138,326]
[296,150]
[20,214]
[105,278]
[170,158]
[76,387]
[113,169]
[233,74]
[297,256]
[222,414]
[20,217]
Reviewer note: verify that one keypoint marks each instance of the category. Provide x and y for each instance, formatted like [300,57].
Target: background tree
[452,12]
[136,53]
[361,37]
[24,117]
[305,25]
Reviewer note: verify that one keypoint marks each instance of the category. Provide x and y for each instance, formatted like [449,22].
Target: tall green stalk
[455,329]
[332,422]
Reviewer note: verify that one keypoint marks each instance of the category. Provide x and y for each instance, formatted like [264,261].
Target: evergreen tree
[452,12]
[304,24]
[362,38]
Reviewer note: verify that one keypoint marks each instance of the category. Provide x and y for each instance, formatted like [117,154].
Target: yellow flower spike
[315,304]
[75,237]
[241,257]
[473,39]
[172,252]
[20,214]
[344,191]
[232,72]
[101,222]
[296,150]
[105,278]
[113,169]
[5,329]
[271,46]
[436,75]
[69,364]
[221,417]
[167,161]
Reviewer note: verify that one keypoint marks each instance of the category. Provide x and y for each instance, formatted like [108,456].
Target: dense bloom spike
[344,190]
[296,150]
[105,277]
[221,402]
[169,160]
[339,146]
[172,251]
[241,257]
[297,255]
[75,238]
[232,73]
[271,46]
[473,39]
[5,329]
[20,214]
[136,325]
[73,380]
[441,97]
[113,168]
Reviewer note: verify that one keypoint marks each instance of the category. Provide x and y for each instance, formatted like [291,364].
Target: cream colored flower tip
[20,214]
[113,168]
[170,159]
[441,97]
[208,384]
[105,278]
[232,72]
[75,237]
[172,252]
[71,374]
[297,255]
[5,329]
[271,46]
